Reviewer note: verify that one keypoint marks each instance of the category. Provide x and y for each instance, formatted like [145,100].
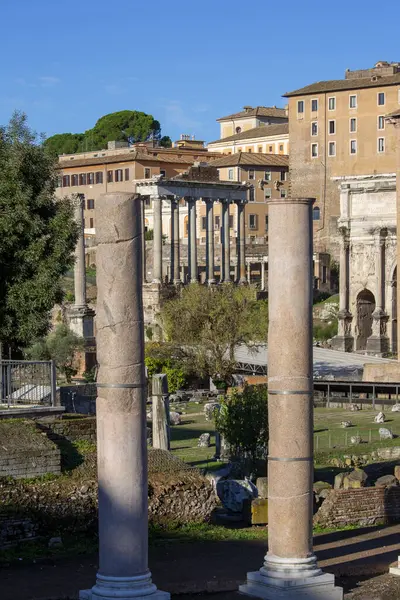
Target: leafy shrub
[325,331]
[176,375]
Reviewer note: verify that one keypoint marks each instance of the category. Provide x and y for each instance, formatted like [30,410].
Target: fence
[29,382]
[339,394]
[342,439]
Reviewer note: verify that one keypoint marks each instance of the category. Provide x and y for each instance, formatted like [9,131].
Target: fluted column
[241,242]
[290,568]
[80,267]
[210,241]
[157,238]
[192,250]
[226,252]
[175,255]
[344,340]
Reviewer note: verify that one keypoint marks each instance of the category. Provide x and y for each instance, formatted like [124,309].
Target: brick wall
[71,429]
[14,530]
[28,463]
[367,506]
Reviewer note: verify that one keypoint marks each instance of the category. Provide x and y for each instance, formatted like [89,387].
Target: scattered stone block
[380,418]
[175,418]
[385,434]
[354,407]
[354,480]
[55,542]
[259,511]
[262,487]
[386,481]
[345,424]
[321,485]
[355,440]
[204,440]
[233,492]
[209,410]
[396,408]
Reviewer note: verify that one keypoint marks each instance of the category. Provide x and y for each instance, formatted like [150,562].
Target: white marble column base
[395,570]
[124,588]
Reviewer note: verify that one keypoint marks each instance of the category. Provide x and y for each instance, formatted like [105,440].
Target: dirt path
[189,568]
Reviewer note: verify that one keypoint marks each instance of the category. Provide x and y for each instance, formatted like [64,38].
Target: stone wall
[366,506]
[15,530]
[28,463]
[70,429]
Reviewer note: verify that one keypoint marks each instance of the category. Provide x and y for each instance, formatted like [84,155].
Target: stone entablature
[368,275]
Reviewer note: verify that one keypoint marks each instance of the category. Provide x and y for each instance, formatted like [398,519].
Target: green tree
[210,323]
[166,141]
[64,143]
[61,345]
[161,358]
[37,236]
[243,422]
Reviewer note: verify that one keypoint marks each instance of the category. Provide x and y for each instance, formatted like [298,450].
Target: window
[268,193]
[82,179]
[381,122]
[230,173]
[314,128]
[316,213]
[147,201]
[90,178]
[252,221]
[251,194]
[251,173]
[314,105]
[66,181]
[203,222]
[283,176]
[332,103]
[90,204]
[300,107]
[324,274]
[266,222]
[281,148]
[332,127]
[74,180]
[381,144]
[91,223]
[353,125]
[163,172]
[59,181]
[260,148]
[249,151]
[267,176]
[314,150]
[353,101]
[217,221]
[238,130]
[147,173]
[231,221]
[270,149]
[118,175]
[109,176]
[126,174]
[353,146]
[332,149]
[283,193]
[381,99]
[99,177]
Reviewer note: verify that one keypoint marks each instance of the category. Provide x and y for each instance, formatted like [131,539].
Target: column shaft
[241,243]
[379,249]
[192,250]
[210,241]
[262,275]
[343,275]
[226,252]
[142,205]
[157,239]
[80,267]
[175,257]
[121,404]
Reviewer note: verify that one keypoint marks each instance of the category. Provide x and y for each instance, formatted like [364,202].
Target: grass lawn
[330,439]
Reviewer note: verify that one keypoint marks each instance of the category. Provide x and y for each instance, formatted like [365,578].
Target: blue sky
[67,63]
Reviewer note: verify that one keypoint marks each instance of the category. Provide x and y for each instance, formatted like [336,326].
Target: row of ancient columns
[192,241]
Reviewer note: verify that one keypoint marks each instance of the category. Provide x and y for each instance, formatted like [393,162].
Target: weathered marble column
[226,251]
[175,255]
[80,267]
[121,406]
[241,245]
[263,274]
[378,342]
[249,272]
[156,202]
[192,250]
[290,569]
[143,211]
[160,412]
[210,279]
[344,340]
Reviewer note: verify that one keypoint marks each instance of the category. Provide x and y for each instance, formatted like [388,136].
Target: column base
[378,345]
[344,343]
[291,578]
[124,588]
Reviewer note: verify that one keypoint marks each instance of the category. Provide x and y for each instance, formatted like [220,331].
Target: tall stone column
[378,342]
[121,406]
[143,211]
[226,251]
[157,238]
[344,340]
[290,569]
[263,274]
[192,250]
[210,279]
[175,257]
[80,267]
[241,243]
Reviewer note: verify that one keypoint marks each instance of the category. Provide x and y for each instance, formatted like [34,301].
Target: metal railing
[27,382]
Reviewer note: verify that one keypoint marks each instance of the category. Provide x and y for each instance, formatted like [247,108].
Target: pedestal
[81,320]
[344,341]
[298,579]
[124,588]
[378,343]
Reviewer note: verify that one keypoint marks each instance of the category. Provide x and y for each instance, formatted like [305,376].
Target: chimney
[247,108]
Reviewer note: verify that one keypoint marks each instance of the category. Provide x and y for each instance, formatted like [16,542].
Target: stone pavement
[196,568]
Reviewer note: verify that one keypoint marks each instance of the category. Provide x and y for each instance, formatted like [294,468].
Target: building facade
[368,264]
[264,139]
[338,129]
[251,118]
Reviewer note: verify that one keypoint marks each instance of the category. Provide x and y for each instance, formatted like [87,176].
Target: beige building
[337,129]
[250,118]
